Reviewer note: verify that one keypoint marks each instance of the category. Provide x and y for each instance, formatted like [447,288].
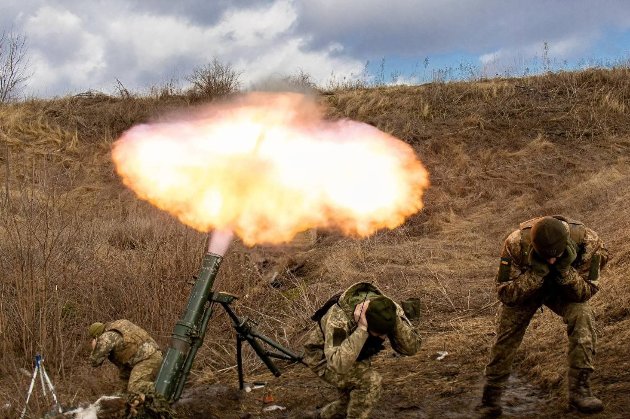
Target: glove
[563,263]
[412,308]
[537,264]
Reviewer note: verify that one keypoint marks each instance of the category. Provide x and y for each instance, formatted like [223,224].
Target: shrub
[214,80]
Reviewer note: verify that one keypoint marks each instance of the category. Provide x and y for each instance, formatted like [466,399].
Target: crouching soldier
[131,349]
[352,327]
[553,261]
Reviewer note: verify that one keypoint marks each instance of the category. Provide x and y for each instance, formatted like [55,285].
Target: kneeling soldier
[352,327]
[131,349]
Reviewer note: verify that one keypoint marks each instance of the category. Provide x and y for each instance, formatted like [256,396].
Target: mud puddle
[520,400]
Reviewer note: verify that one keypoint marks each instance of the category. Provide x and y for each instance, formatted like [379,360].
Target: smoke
[219,241]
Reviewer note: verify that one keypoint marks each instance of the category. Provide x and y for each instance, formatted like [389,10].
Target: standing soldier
[553,261]
[131,349]
[351,329]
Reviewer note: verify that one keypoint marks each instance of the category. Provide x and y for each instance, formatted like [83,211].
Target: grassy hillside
[76,246]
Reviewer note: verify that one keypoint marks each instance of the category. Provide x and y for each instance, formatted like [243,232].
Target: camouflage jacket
[337,342]
[124,343]
[517,283]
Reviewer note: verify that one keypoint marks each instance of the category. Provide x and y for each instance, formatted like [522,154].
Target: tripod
[43,376]
[245,331]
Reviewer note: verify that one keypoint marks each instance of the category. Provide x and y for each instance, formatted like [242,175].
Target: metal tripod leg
[51,388]
[239,361]
[262,354]
[30,391]
[246,332]
[285,354]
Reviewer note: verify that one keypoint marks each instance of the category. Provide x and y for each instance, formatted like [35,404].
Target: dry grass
[75,246]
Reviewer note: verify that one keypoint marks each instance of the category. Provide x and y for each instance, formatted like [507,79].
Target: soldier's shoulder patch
[504,269]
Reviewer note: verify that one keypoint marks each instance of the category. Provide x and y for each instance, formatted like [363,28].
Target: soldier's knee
[578,314]
[372,381]
[141,387]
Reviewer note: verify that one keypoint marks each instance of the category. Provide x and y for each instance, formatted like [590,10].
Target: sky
[80,45]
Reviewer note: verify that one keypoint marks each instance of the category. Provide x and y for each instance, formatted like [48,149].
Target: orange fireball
[268,166]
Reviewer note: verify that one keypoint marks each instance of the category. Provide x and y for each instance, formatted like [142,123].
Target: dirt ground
[426,385]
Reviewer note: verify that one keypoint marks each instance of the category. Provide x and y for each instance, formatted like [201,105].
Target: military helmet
[96,329]
[549,237]
[381,315]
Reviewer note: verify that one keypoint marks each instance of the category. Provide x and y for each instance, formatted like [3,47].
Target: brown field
[76,247]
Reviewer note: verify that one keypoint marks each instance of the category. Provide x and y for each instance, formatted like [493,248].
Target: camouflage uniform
[522,292]
[133,351]
[336,352]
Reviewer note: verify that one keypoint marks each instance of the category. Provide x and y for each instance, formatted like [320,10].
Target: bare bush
[168,89]
[300,82]
[13,65]
[214,80]
[351,82]
[122,91]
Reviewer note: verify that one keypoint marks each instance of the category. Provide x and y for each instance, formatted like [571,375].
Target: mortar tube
[185,330]
[192,352]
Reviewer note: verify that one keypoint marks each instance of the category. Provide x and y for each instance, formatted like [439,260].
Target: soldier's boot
[490,406]
[580,394]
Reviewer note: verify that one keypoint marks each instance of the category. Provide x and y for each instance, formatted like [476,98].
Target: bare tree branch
[14,64]
[214,80]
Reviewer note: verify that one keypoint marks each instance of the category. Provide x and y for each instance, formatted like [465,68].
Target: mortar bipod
[245,331]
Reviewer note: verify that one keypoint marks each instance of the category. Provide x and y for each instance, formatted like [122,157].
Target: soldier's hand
[359,315]
[538,265]
[563,263]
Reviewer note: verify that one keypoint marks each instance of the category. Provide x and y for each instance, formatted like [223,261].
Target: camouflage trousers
[359,390]
[141,378]
[513,322]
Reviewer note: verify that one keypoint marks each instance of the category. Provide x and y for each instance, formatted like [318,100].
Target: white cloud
[257,42]
[152,39]
[49,20]
[372,29]
[69,54]
[81,48]
[571,47]
[292,57]
[76,45]
[535,56]
[254,27]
